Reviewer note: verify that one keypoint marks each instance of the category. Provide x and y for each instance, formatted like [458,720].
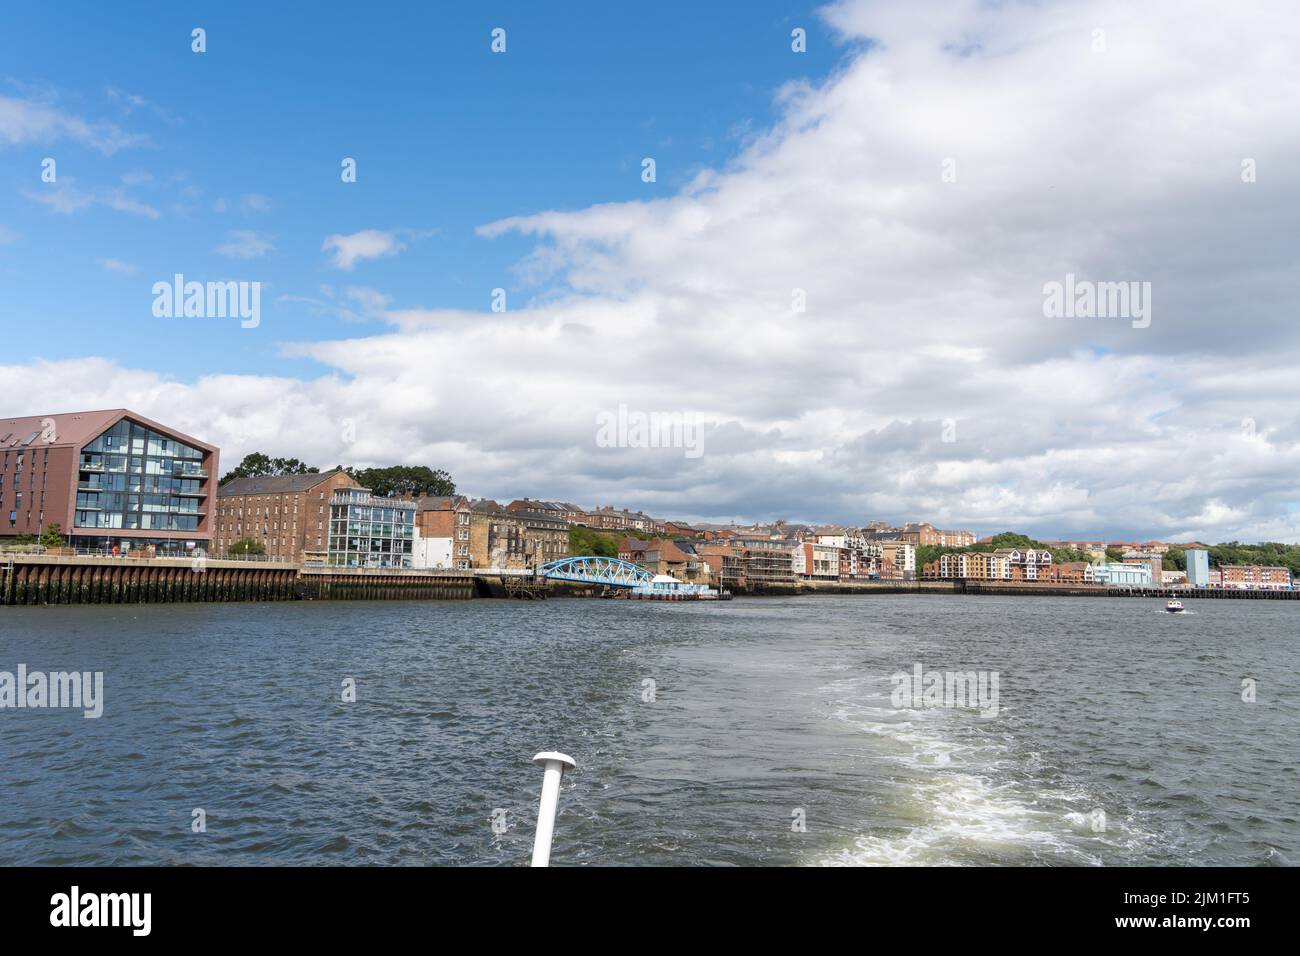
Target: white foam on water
[952,789]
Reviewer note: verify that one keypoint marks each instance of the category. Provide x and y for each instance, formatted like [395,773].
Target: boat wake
[958,794]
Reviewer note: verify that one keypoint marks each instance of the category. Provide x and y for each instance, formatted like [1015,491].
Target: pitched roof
[78,428]
[441,502]
[275,484]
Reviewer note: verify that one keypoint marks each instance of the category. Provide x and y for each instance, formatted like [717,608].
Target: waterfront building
[110,479]
[1067,572]
[976,565]
[1124,575]
[1255,577]
[660,556]
[814,561]
[762,562]
[287,514]
[1152,558]
[366,531]
[515,540]
[717,561]
[1025,564]
[442,532]
[496,537]
[1198,567]
[902,555]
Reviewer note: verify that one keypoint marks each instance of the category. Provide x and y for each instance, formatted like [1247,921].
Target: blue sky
[447,136]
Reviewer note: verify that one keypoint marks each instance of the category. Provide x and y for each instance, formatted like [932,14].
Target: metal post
[555,764]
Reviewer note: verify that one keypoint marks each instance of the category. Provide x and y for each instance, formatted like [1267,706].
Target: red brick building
[287,514]
[1255,576]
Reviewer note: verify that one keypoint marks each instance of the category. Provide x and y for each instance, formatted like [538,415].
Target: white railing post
[555,764]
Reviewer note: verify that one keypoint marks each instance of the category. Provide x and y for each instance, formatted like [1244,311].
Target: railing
[138,554]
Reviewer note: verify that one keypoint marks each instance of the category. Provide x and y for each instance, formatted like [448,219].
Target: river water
[753,732]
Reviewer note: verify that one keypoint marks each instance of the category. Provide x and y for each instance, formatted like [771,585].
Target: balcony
[87,466]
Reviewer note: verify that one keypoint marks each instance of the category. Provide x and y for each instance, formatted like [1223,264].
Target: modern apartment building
[1025,564]
[366,531]
[287,514]
[902,555]
[110,479]
[815,561]
[980,565]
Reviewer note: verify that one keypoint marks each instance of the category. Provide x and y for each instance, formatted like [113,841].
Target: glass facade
[370,532]
[135,479]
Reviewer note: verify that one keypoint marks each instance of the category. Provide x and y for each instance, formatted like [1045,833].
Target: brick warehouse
[109,479]
[287,514]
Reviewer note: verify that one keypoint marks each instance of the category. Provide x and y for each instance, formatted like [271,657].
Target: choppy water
[763,708]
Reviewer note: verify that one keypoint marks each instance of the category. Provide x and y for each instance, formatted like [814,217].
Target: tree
[404,479]
[258,465]
[247,546]
[52,536]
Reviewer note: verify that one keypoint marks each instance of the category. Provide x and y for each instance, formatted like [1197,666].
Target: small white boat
[1174,606]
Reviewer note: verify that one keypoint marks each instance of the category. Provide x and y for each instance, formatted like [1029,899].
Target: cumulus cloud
[854,303]
[117,265]
[366,244]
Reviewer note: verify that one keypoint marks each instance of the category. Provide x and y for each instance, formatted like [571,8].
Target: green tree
[404,479]
[247,546]
[52,536]
[258,465]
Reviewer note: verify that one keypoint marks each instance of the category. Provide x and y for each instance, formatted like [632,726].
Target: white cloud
[254,202]
[366,244]
[66,197]
[245,244]
[7,235]
[38,122]
[117,265]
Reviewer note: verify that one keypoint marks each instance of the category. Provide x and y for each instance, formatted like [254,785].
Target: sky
[836,280]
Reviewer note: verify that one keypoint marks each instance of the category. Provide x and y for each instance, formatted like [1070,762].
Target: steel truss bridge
[593,569]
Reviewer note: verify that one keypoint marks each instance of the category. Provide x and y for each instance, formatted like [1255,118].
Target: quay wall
[64,579]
